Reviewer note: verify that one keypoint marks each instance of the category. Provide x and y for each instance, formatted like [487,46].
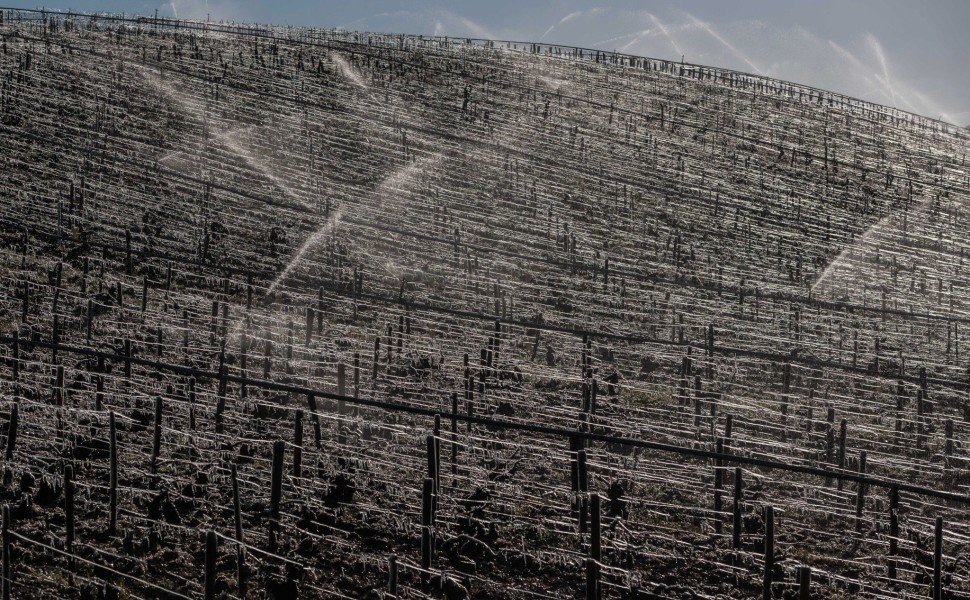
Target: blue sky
[914,55]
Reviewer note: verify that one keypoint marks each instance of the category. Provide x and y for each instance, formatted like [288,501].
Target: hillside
[616,280]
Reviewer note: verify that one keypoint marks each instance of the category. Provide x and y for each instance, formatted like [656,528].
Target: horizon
[862,50]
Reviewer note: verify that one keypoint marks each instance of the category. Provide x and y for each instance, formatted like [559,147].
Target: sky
[903,53]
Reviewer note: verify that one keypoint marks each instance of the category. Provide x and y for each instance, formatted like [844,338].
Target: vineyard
[304,313]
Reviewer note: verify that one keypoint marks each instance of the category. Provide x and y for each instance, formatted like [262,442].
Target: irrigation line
[270,32]
[356,48]
[655,278]
[532,428]
[729,289]
[166,593]
[721,349]
[425,130]
[587,267]
[329,45]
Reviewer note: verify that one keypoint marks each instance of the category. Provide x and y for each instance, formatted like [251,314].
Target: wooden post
[938,560]
[948,432]
[243,363]
[829,440]
[427,522]
[710,352]
[433,472]
[157,438]
[804,583]
[69,512]
[341,388]
[211,549]
[55,337]
[769,552]
[392,576]
[298,444]
[736,525]
[356,380]
[128,262]
[718,485]
[899,412]
[12,430]
[893,531]
[309,325]
[595,541]
[842,433]
[276,491]
[312,405]
[320,311]
[85,268]
[192,403]
[15,355]
[267,358]
[919,419]
[99,393]
[237,517]
[697,401]
[497,342]
[59,386]
[860,500]
[113,475]
[583,482]
[454,439]
[592,579]
[237,513]
[5,541]
[127,359]
[168,280]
